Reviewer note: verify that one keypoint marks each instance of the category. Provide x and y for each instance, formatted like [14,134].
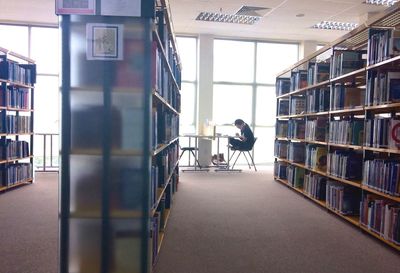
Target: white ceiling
[280,23]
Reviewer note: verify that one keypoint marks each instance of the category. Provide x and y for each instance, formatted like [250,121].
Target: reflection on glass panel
[46,105]
[264,146]
[128,117]
[45,54]
[265,106]
[233,61]
[187,47]
[86,175]
[85,245]
[126,186]
[188,104]
[272,58]
[14,38]
[125,246]
[231,102]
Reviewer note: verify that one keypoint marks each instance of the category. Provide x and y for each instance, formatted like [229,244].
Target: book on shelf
[346,61]
[296,128]
[298,80]
[346,96]
[295,176]
[347,131]
[317,100]
[382,175]
[382,44]
[297,105]
[316,157]
[15,173]
[382,87]
[394,134]
[296,152]
[17,73]
[283,107]
[342,198]
[377,132]
[381,216]
[282,86]
[281,128]
[280,149]
[317,129]
[346,164]
[280,169]
[315,186]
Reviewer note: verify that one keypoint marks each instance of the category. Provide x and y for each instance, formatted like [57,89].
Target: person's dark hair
[239,122]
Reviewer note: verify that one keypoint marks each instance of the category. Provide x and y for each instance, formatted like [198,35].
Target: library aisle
[221,222]
[246,222]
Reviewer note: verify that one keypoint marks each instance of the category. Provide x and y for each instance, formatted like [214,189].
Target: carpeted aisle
[246,222]
[29,227]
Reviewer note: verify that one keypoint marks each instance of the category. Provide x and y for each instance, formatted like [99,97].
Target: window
[19,41]
[187,47]
[46,54]
[244,87]
[233,61]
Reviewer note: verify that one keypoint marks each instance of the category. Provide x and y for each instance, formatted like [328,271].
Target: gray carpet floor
[221,222]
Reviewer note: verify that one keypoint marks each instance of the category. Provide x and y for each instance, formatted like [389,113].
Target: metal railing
[47,161]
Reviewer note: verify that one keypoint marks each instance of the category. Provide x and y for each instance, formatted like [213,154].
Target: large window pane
[14,38]
[46,54]
[188,101]
[264,146]
[233,61]
[231,102]
[188,53]
[265,106]
[46,105]
[272,58]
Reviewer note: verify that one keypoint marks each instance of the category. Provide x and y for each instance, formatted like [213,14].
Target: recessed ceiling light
[300,15]
[227,18]
[381,2]
[335,25]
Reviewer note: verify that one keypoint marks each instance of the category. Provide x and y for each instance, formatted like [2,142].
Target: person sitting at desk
[245,140]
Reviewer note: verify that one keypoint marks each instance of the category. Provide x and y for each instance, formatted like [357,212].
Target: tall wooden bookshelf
[336,130]
[119,136]
[17,79]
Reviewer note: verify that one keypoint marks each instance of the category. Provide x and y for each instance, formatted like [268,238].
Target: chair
[190,150]
[244,151]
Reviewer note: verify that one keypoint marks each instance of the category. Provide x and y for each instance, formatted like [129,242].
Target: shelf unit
[17,79]
[351,92]
[119,137]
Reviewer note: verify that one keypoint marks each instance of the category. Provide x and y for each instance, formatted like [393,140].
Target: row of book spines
[15,173]
[382,44]
[163,81]
[382,175]
[165,127]
[14,97]
[381,216]
[16,125]
[382,87]
[15,72]
[10,149]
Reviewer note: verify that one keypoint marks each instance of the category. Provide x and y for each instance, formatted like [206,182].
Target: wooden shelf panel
[385,63]
[161,147]
[166,103]
[354,74]
[351,218]
[387,196]
[347,146]
[16,83]
[15,159]
[382,150]
[162,232]
[356,184]
[25,182]
[359,110]
[20,134]
[380,237]
[316,114]
[384,107]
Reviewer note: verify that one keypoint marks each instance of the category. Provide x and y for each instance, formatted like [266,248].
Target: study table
[217,137]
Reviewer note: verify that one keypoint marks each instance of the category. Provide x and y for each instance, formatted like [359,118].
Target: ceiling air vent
[245,15]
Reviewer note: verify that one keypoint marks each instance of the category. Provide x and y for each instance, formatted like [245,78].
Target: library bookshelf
[17,79]
[119,136]
[338,127]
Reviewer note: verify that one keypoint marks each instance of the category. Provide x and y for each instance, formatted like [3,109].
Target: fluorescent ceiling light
[381,2]
[335,25]
[227,18]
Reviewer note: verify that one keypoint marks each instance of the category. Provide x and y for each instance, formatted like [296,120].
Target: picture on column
[104,41]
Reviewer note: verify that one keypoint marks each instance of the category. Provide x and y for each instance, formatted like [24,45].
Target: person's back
[246,138]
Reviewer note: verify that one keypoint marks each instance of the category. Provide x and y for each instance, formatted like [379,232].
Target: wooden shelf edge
[18,184]
[383,150]
[161,147]
[385,195]
[162,232]
[379,237]
[348,146]
[166,103]
[348,75]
